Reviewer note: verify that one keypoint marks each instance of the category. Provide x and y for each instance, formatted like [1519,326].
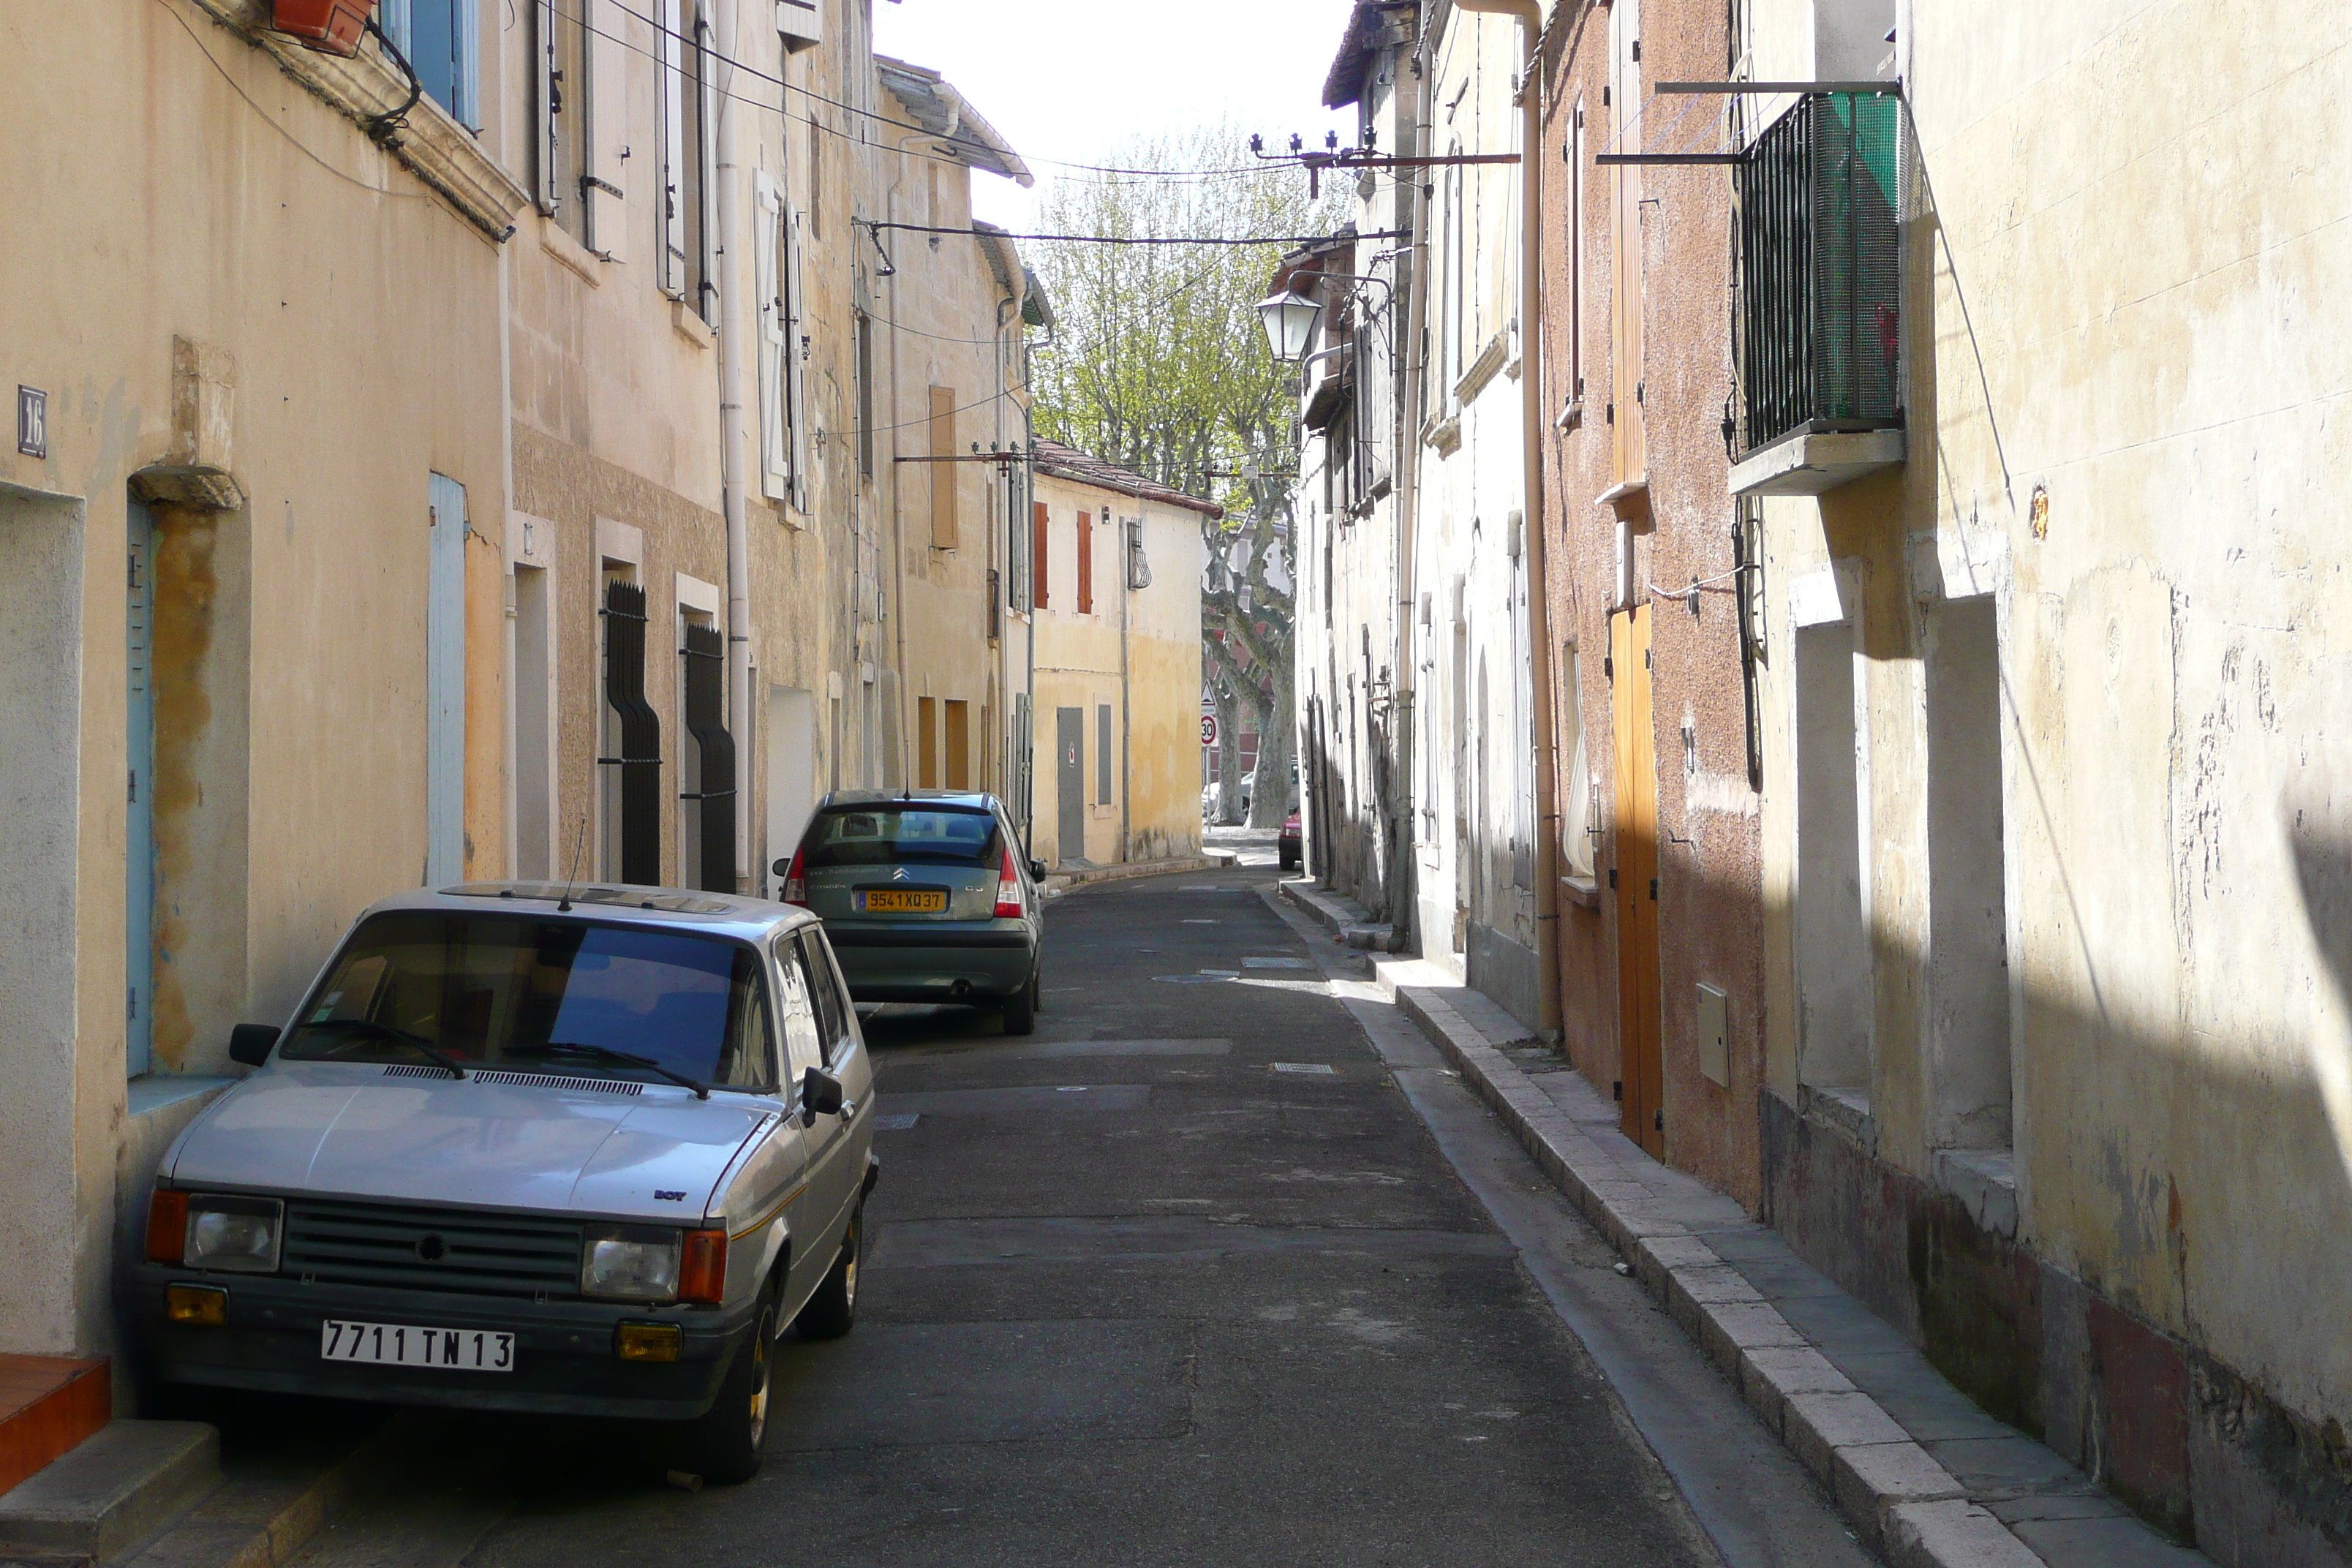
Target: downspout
[1411,721]
[1530,19]
[733,451]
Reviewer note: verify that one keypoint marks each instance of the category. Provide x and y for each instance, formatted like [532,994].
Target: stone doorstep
[1904,1502]
[119,1484]
[150,1494]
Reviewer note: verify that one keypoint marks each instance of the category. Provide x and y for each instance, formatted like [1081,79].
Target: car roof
[963,799]
[726,914]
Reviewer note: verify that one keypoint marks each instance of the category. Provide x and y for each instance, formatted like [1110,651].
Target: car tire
[723,1445]
[1020,1009]
[833,1311]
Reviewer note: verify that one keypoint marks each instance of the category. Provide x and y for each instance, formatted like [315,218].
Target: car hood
[351,1131]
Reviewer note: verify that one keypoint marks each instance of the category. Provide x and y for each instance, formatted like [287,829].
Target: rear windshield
[548,995]
[888,835]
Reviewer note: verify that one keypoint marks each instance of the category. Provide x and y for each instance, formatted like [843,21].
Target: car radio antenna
[564,905]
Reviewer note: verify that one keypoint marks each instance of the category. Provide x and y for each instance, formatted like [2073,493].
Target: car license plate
[405,1345]
[891,901]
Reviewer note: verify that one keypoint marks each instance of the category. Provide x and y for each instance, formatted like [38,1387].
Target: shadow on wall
[2237,1455]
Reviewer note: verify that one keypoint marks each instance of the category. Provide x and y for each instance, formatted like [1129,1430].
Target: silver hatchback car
[586,1153]
[927,897]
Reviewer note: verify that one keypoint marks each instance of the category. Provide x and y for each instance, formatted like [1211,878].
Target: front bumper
[894,963]
[564,1361]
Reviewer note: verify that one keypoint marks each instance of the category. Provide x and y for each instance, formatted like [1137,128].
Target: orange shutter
[943,471]
[1086,565]
[1040,536]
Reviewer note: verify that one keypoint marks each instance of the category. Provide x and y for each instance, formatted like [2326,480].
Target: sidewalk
[1925,1474]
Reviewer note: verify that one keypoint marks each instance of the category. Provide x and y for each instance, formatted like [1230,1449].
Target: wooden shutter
[927,744]
[1040,536]
[607,140]
[943,472]
[1085,564]
[796,416]
[767,241]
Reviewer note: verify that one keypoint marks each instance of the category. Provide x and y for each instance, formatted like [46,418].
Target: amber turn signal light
[702,1272]
[646,1342]
[167,1225]
[206,1304]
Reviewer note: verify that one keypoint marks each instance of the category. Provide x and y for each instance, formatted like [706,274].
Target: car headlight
[235,1235]
[633,1263]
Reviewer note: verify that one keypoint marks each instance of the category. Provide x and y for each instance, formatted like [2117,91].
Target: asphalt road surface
[1219,1266]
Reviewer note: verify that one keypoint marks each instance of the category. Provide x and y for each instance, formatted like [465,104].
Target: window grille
[706,681]
[1820,299]
[640,734]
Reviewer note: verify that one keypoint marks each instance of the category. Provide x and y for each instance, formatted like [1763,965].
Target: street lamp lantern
[1289,319]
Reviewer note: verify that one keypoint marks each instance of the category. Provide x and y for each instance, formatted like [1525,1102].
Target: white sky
[1070,78]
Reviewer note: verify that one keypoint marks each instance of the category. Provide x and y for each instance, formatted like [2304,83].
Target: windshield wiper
[415,1041]
[606,1054]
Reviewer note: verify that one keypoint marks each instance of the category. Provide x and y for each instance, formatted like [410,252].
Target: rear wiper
[606,1054]
[414,1041]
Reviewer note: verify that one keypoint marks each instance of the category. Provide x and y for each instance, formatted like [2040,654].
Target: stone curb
[1906,1505]
[1065,882]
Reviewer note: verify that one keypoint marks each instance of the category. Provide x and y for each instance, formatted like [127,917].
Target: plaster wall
[1155,712]
[340,328]
[2127,398]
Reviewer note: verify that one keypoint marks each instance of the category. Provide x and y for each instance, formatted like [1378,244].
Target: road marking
[1305,1067]
[1276,964]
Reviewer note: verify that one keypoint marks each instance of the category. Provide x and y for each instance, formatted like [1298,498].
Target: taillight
[702,1271]
[167,1227]
[796,879]
[1008,890]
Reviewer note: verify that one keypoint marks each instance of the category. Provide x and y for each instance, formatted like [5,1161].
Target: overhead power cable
[1128,239]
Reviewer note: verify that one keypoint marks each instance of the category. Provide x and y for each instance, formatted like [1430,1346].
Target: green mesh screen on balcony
[1821,308]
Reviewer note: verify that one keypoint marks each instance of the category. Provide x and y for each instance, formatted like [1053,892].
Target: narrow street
[1194,1275]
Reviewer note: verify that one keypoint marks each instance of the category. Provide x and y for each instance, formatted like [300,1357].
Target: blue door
[139,840]
[445,687]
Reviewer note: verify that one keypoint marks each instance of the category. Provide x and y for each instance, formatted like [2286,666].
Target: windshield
[888,835]
[549,996]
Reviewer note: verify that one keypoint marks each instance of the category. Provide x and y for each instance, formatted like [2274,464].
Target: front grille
[384,1243]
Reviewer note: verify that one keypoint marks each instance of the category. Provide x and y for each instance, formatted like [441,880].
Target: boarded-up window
[959,745]
[943,470]
[1085,564]
[1105,729]
[1039,534]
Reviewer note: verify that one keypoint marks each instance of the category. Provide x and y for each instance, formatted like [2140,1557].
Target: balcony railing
[1820,306]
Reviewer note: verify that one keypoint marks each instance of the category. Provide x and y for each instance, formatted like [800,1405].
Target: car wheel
[833,1311]
[1020,1009]
[723,1445]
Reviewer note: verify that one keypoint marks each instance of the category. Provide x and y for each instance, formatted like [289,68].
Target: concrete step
[118,1486]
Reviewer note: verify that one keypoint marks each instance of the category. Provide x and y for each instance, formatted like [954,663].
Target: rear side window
[892,835]
[817,972]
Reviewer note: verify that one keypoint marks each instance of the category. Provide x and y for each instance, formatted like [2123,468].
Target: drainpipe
[734,453]
[1530,19]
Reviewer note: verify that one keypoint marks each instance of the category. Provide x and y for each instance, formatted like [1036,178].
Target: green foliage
[1158,362]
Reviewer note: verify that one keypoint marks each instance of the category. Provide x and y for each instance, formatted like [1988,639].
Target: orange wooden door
[1634,880]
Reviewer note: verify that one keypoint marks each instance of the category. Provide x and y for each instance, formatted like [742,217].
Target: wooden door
[1634,880]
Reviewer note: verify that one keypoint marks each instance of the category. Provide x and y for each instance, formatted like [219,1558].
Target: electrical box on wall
[1714,1035]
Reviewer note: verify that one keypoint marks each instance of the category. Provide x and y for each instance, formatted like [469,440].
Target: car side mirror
[250,1043]
[783,868]
[1036,871]
[820,1096]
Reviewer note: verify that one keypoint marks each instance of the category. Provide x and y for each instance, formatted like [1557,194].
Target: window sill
[434,147]
[1583,891]
[1483,369]
[1444,436]
[1985,1181]
[576,257]
[691,327]
[1624,490]
[1848,1110]
[1811,464]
